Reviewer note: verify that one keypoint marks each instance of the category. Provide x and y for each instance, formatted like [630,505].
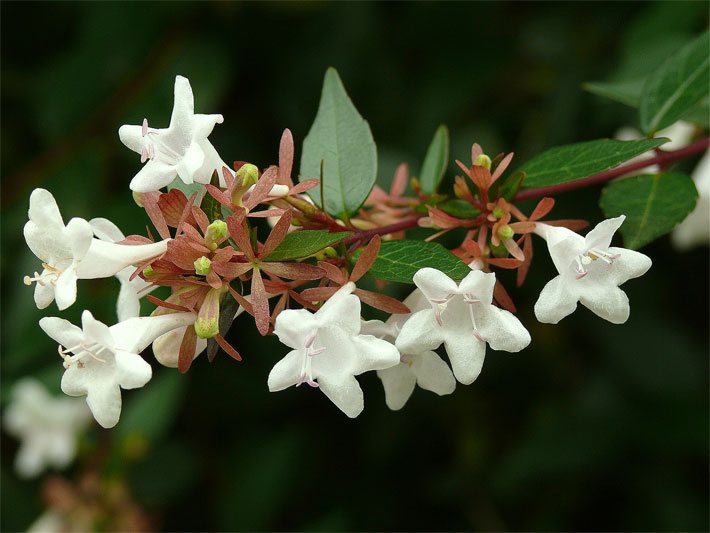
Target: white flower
[590,272]
[695,229]
[102,360]
[680,135]
[48,522]
[128,303]
[181,149]
[464,319]
[422,367]
[46,426]
[329,351]
[70,252]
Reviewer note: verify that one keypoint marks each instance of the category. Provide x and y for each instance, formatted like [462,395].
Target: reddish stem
[663,159]
[384,230]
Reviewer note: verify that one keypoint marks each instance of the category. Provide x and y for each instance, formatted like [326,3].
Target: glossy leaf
[575,161]
[435,161]
[653,204]
[400,260]
[303,243]
[677,86]
[342,139]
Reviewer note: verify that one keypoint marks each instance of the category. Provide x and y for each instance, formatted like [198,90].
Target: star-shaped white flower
[128,303]
[46,426]
[70,252]
[181,149]
[680,135]
[102,360]
[695,229]
[590,272]
[464,319]
[423,367]
[329,351]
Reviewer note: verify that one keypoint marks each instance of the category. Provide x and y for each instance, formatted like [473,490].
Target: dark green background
[594,426]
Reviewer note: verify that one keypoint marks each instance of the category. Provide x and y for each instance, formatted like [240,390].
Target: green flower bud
[330,252]
[203,266]
[506,232]
[498,212]
[215,233]
[148,271]
[483,161]
[207,323]
[249,174]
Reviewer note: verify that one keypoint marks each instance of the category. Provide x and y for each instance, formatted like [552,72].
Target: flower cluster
[299,283]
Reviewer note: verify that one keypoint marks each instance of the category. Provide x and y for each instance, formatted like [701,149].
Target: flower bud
[498,213]
[330,252]
[215,233]
[505,232]
[148,271]
[249,174]
[207,323]
[203,266]
[483,161]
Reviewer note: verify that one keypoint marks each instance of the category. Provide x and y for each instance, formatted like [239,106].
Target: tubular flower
[464,319]
[70,252]
[181,149]
[421,367]
[590,272]
[101,360]
[329,351]
[695,229]
[46,426]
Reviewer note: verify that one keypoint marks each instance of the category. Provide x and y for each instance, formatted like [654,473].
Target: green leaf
[625,92]
[676,87]
[211,207]
[400,260]
[435,161]
[458,208]
[575,161]
[512,184]
[653,204]
[227,309]
[303,243]
[342,139]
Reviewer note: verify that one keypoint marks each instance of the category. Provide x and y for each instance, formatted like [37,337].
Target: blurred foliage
[593,427]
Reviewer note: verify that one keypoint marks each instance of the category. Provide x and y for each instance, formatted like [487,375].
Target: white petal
[44,210]
[608,302]
[479,284]
[564,251]
[379,329]
[294,326]
[166,348]
[104,259]
[502,330]
[65,289]
[373,354]
[286,372]
[104,400]
[420,333]
[600,237]
[213,162]
[183,104]
[96,331]
[79,236]
[106,230]
[135,334]
[190,163]
[399,383]
[466,354]
[435,284]
[132,137]
[557,300]
[44,294]
[432,373]
[29,461]
[202,125]
[128,304]
[344,392]
[62,331]
[132,371]
[630,264]
[62,449]
[153,176]
[342,310]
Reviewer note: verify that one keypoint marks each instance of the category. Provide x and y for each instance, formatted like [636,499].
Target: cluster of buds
[218,265]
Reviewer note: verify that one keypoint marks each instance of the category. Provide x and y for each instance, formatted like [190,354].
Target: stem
[384,230]
[663,159]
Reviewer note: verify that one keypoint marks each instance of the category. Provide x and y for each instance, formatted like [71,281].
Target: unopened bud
[505,232]
[207,323]
[148,271]
[279,191]
[330,252]
[203,266]
[215,233]
[248,174]
[137,198]
[483,161]
[498,212]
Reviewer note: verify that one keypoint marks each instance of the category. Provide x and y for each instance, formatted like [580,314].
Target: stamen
[83,349]
[470,300]
[42,279]
[144,130]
